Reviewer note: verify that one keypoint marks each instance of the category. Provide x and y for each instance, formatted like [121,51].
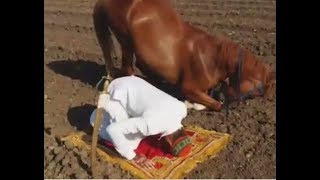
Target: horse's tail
[103,33]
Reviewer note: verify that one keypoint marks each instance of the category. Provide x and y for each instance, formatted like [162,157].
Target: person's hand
[143,161]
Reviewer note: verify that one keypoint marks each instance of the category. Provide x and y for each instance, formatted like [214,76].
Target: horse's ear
[272,76]
[269,86]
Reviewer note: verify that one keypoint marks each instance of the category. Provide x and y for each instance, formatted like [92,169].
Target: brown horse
[167,46]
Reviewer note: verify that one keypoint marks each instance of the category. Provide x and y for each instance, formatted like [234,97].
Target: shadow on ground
[86,71]
[90,72]
[79,117]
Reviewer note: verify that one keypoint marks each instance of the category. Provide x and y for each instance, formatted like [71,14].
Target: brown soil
[74,64]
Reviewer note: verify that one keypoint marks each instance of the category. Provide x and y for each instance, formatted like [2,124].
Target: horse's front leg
[196,106]
[201,97]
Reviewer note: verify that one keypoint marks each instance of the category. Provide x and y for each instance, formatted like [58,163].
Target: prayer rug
[206,144]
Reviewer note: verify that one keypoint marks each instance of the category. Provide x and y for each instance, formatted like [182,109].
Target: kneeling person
[134,109]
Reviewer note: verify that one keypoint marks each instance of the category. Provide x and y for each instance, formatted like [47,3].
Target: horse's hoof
[198,107]
[188,104]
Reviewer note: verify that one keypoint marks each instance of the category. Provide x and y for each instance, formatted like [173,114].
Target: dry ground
[73,65]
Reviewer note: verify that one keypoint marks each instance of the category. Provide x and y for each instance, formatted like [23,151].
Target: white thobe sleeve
[118,130]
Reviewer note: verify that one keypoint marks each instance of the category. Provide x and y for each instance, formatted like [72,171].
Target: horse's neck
[251,67]
[230,56]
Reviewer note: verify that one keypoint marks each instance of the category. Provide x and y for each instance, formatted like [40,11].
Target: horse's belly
[166,67]
[157,38]
[155,60]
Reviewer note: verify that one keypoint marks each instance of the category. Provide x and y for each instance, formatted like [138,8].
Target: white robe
[136,109]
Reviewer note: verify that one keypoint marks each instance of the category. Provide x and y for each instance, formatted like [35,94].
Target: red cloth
[151,146]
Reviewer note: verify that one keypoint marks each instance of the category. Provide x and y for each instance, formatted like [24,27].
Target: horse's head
[251,79]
